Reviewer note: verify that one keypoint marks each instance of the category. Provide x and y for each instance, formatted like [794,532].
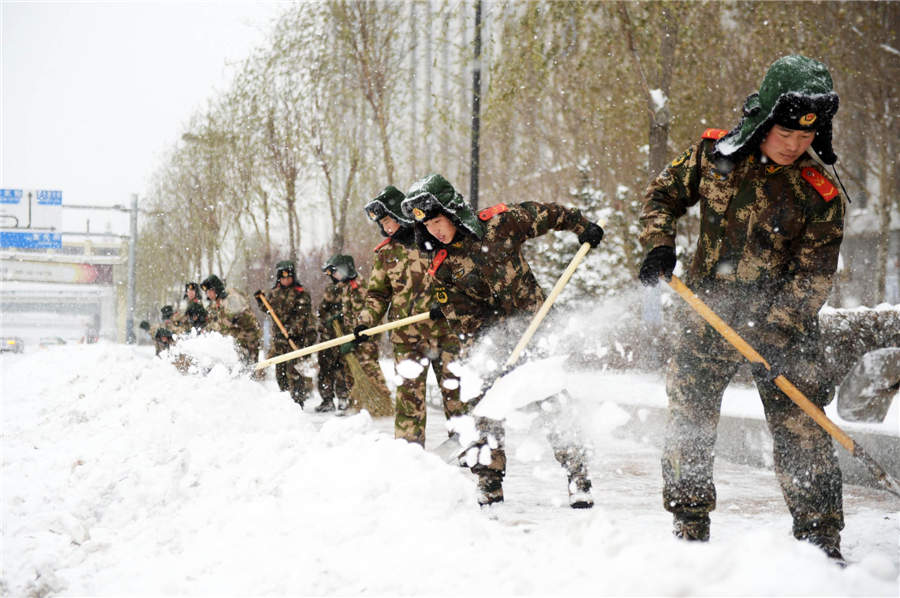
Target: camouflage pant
[333,380]
[287,375]
[555,419]
[409,422]
[806,464]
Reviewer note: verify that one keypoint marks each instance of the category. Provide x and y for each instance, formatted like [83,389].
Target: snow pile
[123,476]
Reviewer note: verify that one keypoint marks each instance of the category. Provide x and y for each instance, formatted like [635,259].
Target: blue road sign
[30,240]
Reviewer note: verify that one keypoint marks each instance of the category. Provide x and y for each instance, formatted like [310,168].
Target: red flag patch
[714,133]
[821,184]
[488,213]
[437,261]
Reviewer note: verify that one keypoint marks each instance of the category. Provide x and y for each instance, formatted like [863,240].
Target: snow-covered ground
[122,476]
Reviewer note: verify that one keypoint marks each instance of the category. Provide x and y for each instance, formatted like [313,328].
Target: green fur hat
[434,195]
[215,283]
[796,93]
[387,203]
[342,266]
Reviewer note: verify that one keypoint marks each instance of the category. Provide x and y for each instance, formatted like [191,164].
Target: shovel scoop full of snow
[866,392]
[529,383]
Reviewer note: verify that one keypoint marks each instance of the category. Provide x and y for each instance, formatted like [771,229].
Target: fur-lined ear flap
[822,146]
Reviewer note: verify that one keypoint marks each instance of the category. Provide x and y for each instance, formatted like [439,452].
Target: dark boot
[490,487]
[325,406]
[299,398]
[580,490]
[826,537]
[692,527]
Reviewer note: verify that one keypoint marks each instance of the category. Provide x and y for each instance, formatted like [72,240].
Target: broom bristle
[364,392]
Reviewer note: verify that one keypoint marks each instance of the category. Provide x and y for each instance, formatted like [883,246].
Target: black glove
[435,313]
[347,348]
[258,296]
[660,260]
[776,358]
[297,340]
[144,325]
[593,234]
[358,335]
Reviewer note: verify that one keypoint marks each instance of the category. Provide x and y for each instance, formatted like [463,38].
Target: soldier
[195,317]
[293,308]
[191,296]
[480,279]
[162,334]
[341,302]
[771,225]
[216,316]
[399,283]
[238,323]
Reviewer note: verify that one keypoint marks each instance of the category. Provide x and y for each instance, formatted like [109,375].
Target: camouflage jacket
[293,307]
[400,285]
[343,302]
[245,329]
[769,237]
[217,318]
[479,281]
[242,325]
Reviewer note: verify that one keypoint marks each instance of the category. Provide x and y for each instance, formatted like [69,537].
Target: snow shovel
[866,391]
[365,391]
[259,295]
[493,405]
[340,340]
[881,476]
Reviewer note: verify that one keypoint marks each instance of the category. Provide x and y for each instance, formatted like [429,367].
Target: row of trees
[582,102]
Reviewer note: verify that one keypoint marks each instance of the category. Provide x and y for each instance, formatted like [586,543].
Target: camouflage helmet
[433,196]
[167,312]
[196,313]
[189,286]
[796,93]
[286,267]
[342,266]
[216,284]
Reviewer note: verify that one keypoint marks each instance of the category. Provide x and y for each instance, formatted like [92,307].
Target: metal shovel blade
[866,392]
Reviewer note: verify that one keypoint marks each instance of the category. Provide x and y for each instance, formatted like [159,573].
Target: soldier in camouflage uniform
[342,301]
[293,308]
[163,334]
[239,323]
[399,284]
[480,279]
[770,232]
[191,296]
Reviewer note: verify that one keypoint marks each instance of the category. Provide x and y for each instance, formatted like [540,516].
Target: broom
[364,391]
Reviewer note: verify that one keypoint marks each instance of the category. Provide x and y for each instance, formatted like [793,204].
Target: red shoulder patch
[381,245]
[353,284]
[820,183]
[298,288]
[437,261]
[488,213]
[714,133]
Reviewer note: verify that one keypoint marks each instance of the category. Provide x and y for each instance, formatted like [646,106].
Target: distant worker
[292,306]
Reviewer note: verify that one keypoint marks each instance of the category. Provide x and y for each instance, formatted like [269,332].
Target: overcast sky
[93,94]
